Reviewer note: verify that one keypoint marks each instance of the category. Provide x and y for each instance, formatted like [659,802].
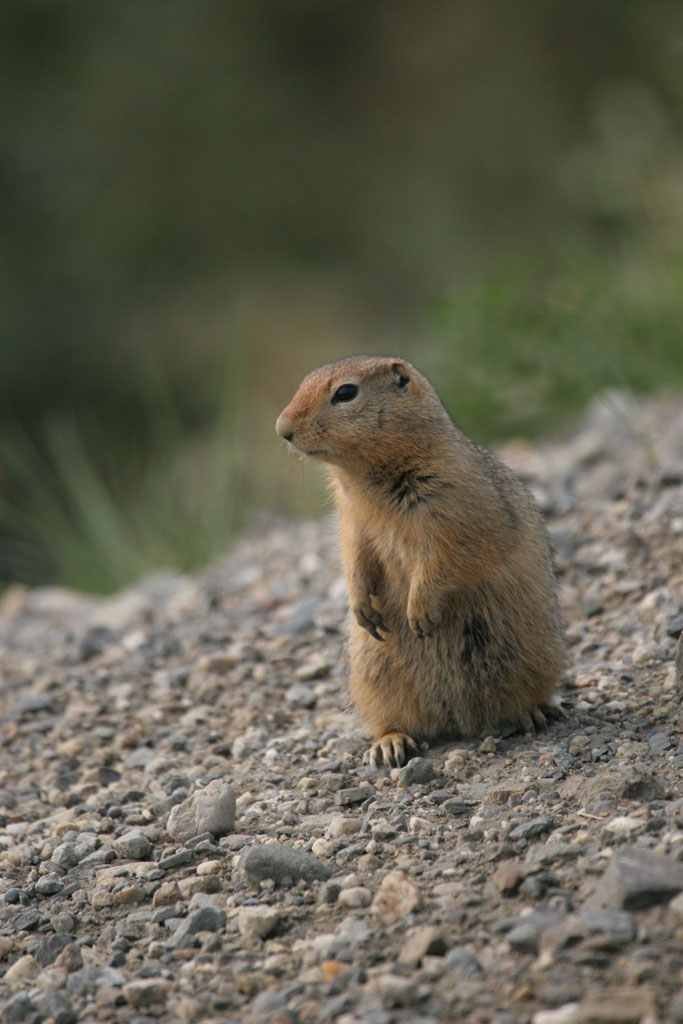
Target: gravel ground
[187,832]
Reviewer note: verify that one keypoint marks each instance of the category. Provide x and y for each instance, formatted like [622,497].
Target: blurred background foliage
[200,201]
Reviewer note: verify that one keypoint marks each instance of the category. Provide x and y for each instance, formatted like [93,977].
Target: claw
[526,723]
[372,621]
[537,717]
[540,721]
[423,627]
[393,750]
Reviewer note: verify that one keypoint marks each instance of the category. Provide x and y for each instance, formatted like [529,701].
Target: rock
[284,864]
[418,771]
[533,828]
[133,845]
[501,792]
[676,1007]
[637,878]
[396,898]
[49,884]
[51,947]
[94,642]
[22,972]
[269,1008]
[430,941]
[396,991]
[167,895]
[144,992]
[65,856]
[455,805]
[17,1010]
[508,877]
[617,1006]
[524,937]
[623,825]
[351,795]
[71,958]
[57,1007]
[211,809]
[301,696]
[258,922]
[204,919]
[51,979]
[462,964]
[627,782]
[617,924]
[658,742]
[355,896]
[90,979]
[567,1014]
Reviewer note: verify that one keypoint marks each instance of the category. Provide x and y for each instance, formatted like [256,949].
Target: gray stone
[211,809]
[17,1010]
[418,770]
[94,642]
[301,696]
[92,978]
[266,1005]
[455,805]
[50,948]
[658,742]
[525,936]
[397,991]
[676,1007]
[618,924]
[637,878]
[283,863]
[133,845]
[176,860]
[627,782]
[462,964]
[56,1006]
[533,828]
[204,919]
[49,884]
[352,795]
[143,992]
[65,856]
[679,661]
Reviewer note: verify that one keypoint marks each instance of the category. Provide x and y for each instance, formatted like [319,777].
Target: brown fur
[455,628]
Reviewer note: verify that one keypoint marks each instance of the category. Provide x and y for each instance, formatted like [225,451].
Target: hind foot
[393,750]
[532,721]
[538,717]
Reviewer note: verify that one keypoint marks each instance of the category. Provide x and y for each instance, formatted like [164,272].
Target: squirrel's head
[349,413]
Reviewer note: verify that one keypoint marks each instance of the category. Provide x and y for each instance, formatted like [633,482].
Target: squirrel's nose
[284,428]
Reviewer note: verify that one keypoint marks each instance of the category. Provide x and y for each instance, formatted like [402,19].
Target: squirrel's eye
[344,393]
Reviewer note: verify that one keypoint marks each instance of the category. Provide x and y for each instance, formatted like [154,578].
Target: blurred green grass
[517,353]
[95,512]
[522,351]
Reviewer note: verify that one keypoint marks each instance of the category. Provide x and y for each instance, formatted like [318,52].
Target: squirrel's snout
[284,427]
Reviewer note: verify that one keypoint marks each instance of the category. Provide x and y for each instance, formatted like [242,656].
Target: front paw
[423,620]
[367,616]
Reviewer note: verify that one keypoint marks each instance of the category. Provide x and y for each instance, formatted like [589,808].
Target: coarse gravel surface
[188,833]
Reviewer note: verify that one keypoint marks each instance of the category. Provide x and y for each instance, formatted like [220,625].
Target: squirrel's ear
[399,376]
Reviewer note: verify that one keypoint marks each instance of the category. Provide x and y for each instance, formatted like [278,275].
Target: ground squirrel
[455,627]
